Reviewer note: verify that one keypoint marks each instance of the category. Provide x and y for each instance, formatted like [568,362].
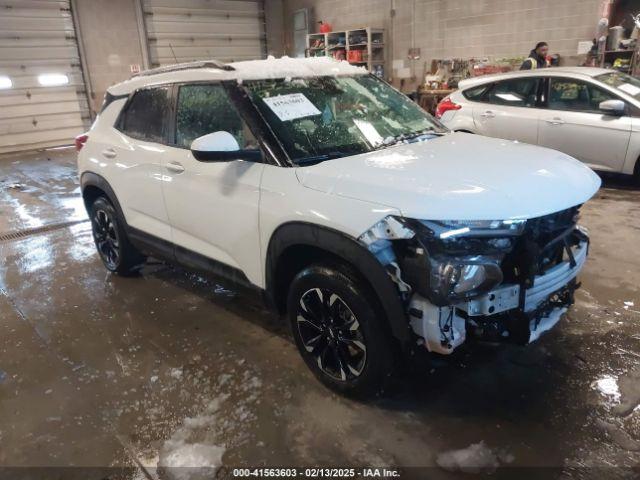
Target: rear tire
[115,250]
[339,332]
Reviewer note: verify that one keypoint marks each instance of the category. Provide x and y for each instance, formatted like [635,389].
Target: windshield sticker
[291,106]
[630,89]
[369,132]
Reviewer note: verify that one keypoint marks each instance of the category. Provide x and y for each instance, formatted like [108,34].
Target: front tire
[339,332]
[116,252]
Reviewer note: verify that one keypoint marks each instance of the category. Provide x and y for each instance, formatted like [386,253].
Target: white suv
[345,205]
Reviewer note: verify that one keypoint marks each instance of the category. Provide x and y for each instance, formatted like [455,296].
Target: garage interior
[103,376]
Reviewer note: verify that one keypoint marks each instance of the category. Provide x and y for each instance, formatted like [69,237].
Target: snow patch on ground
[608,386]
[476,458]
[182,458]
[198,443]
[191,461]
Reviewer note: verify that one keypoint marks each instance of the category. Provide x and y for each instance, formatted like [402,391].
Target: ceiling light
[52,79]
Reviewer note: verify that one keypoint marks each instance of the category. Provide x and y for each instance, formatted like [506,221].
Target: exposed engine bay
[491,280]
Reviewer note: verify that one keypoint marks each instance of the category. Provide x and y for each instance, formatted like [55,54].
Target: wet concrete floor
[170,368]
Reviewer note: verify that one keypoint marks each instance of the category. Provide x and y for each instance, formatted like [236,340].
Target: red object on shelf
[479,70]
[324,27]
[445,105]
[354,56]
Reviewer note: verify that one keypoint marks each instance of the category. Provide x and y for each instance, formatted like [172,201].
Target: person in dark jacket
[537,57]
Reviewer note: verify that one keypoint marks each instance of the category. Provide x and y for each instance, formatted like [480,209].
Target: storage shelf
[374,43]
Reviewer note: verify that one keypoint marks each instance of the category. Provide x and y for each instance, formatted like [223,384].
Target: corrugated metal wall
[226,30]
[37,37]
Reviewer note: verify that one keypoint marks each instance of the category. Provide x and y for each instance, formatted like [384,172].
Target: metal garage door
[42,94]
[227,30]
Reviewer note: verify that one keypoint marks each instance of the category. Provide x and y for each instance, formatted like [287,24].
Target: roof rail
[186,66]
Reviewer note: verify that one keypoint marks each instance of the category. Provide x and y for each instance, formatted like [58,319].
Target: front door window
[576,96]
[204,109]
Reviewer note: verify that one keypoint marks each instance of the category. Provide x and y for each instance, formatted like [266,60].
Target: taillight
[80,141]
[445,105]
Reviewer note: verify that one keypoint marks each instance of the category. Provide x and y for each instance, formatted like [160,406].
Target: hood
[459,176]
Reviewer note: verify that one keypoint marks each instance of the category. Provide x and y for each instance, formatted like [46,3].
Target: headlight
[444,229]
[462,258]
[446,261]
[454,279]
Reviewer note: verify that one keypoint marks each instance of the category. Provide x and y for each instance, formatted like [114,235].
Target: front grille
[543,230]
[541,246]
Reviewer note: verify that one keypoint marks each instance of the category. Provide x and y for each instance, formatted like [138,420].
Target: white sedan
[592,114]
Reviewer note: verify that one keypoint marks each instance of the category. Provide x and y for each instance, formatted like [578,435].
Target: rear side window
[109,99]
[475,94]
[520,92]
[146,115]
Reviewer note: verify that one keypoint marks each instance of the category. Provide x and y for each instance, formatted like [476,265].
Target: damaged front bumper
[508,297]
[498,281]
[508,313]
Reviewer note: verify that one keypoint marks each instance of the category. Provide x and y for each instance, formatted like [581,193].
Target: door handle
[109,153]
[488,114]
[175,167]
[554,121]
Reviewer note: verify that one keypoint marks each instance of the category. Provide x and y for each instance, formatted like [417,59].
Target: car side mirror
[221,147]
[612,107]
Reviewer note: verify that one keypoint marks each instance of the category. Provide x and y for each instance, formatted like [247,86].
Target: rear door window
[518,92]
[475,94]
[146,115]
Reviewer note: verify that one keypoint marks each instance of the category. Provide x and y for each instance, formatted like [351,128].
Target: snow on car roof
[284,67]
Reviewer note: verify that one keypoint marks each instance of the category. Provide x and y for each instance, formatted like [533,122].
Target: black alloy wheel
[113,245]
[341,331]
[331,333]
[105,235]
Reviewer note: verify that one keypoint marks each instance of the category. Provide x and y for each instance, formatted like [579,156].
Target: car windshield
[320,118]
[623,82]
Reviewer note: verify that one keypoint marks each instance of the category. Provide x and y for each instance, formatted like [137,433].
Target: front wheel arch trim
[345,248]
